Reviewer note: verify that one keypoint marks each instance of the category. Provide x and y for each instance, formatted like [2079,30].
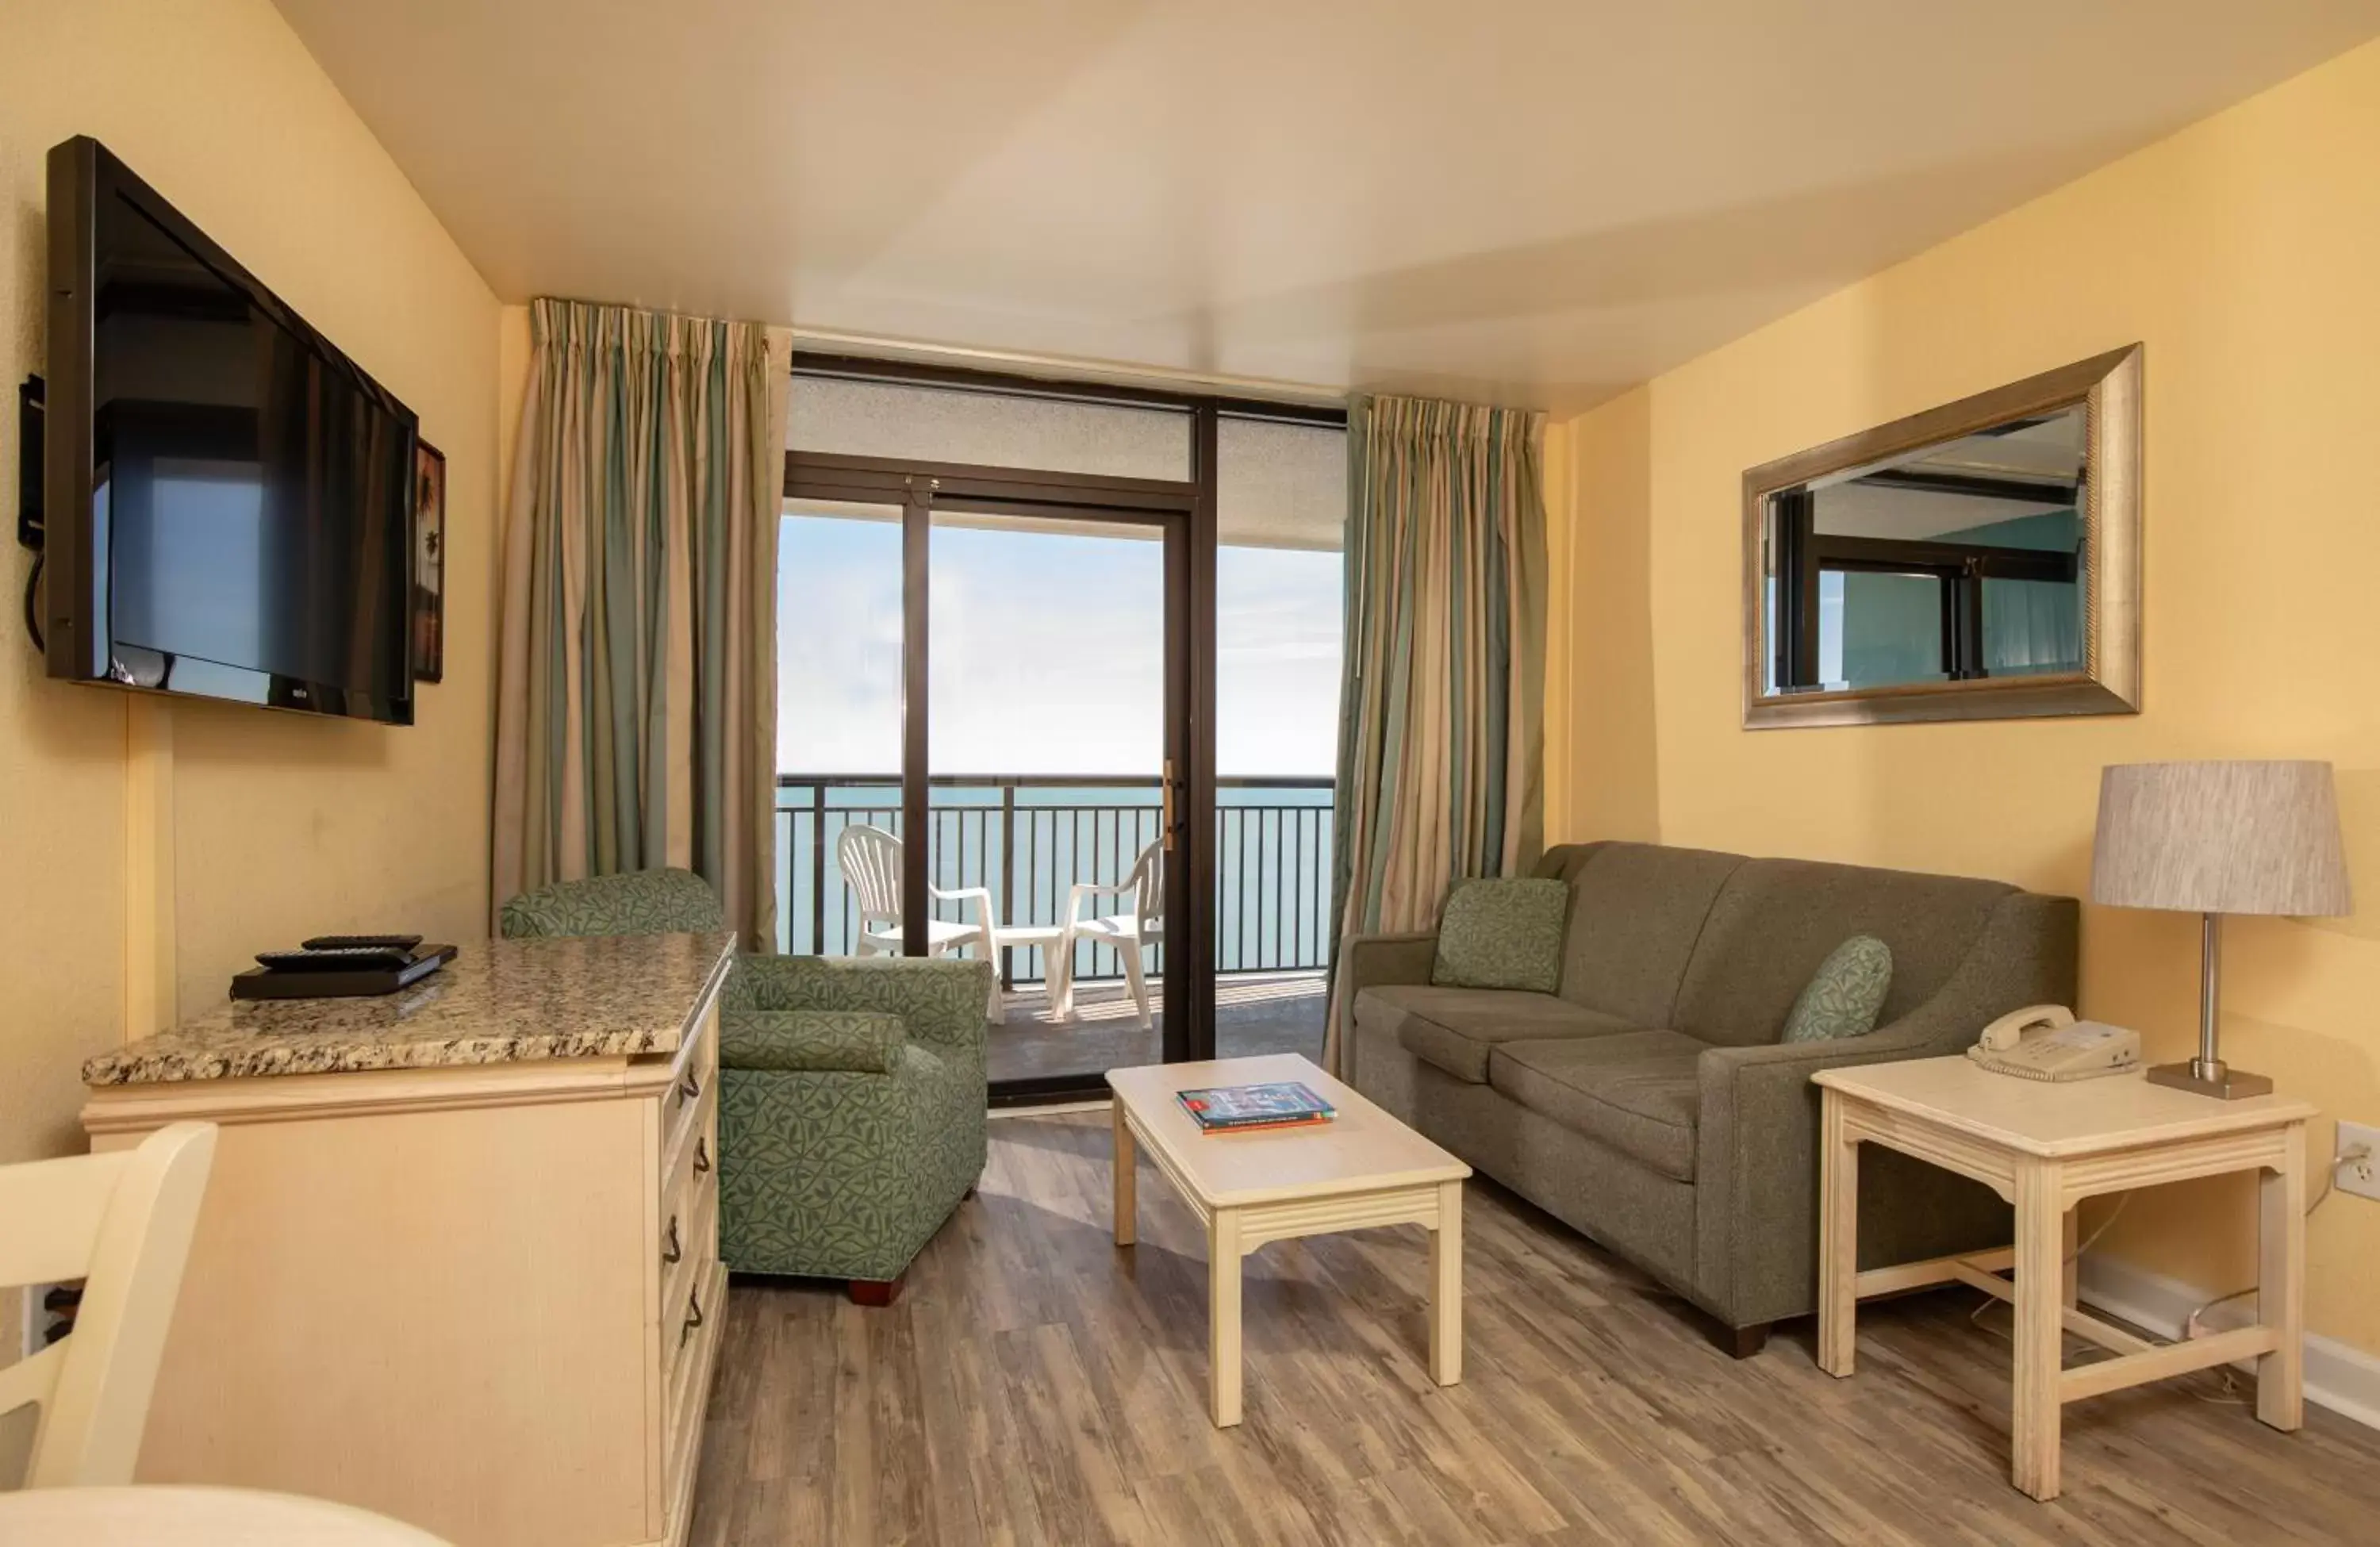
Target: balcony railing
[1027,839]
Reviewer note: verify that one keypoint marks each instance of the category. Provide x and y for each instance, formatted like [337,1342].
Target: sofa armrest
[1756,1147]
[1756,1166]
[856,1042]
[939,1001]
[1371,960]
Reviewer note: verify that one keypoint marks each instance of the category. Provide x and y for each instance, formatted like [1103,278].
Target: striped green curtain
[1441,749]
[635,719]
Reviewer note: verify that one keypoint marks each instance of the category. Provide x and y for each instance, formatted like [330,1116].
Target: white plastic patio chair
[121,1221]
[870,858]
[1129,934]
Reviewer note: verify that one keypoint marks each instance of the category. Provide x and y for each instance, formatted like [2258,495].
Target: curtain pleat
[636,708]
[1441,746]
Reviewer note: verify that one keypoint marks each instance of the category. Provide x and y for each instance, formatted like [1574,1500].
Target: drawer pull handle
[674,1251]
[701,1156]
[690,1087]
[693,1317]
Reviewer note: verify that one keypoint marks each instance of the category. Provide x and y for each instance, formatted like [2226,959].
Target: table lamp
[2214,838]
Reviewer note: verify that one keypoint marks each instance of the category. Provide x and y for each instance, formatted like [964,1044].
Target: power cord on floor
[2189,1326]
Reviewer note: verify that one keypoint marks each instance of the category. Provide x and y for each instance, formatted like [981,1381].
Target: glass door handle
[1165,817]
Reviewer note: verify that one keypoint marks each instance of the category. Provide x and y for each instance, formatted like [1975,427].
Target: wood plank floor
[1036,1384]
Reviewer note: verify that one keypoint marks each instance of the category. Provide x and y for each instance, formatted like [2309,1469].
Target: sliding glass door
[1051,732]
[1001,696]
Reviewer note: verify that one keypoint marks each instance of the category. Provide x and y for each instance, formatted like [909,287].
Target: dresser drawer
[692,1151]
[693,1080]
[689,1237]
[689,1324]
[685,1393]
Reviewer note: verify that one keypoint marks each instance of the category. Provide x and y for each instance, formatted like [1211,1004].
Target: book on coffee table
[1238,1108]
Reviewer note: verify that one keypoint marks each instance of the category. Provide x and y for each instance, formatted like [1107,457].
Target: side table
[2045,1148]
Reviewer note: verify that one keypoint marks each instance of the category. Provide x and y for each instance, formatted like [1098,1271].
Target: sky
[1046,653]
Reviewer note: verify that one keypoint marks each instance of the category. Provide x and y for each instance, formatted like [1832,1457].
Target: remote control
[350,942]
[352,958]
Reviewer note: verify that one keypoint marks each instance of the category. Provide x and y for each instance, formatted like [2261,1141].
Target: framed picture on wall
[429,563]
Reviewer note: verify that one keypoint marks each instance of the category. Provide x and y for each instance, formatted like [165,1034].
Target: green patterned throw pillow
[1502,934]
[1845,995]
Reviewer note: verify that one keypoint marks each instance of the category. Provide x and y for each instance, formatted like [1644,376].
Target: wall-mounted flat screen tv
[228,497]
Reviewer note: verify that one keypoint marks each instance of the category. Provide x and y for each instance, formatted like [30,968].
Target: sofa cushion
[1635,911]
[1455,1028]
[1842,997]
[1776,920]
[1501,933]
[1634,1091]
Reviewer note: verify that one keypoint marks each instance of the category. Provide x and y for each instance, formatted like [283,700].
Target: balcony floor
[1255,1012]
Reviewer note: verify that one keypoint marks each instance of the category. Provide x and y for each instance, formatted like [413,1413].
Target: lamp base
[2210,1076]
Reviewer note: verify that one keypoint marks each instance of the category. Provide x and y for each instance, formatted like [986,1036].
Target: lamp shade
[2220,837]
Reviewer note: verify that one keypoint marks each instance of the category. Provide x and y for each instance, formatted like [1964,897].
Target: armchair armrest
[939,1001]
[860,1042]
[1081,889]
[981,897]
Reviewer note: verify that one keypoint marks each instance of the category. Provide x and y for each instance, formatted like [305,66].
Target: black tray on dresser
[264,983]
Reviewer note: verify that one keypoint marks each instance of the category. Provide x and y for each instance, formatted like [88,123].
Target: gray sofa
[1649,1104]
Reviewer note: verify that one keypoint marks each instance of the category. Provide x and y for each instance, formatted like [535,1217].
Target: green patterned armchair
[851,1116]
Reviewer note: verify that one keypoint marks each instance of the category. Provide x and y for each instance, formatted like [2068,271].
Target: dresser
[458,1258]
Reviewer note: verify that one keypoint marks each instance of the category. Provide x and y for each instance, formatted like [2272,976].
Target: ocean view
[1027,840]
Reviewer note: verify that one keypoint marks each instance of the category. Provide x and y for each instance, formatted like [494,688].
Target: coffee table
[1362,1169]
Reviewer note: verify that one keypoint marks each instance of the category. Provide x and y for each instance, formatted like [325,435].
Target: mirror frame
[2108,388]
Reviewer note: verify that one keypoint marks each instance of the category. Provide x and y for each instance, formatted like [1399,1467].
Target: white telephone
[2044,1041]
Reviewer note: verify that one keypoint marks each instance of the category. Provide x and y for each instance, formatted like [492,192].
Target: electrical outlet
[2360,1178]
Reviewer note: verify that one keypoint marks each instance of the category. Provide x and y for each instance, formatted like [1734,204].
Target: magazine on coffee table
[1238,1108]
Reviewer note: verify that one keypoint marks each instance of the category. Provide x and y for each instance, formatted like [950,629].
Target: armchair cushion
[1502,933]
[864,1041]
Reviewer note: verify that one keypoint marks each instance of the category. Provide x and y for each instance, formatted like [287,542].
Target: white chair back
[1147,885]
[870,859]
[121,1221]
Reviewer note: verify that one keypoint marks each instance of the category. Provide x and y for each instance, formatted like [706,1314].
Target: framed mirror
[1976,561]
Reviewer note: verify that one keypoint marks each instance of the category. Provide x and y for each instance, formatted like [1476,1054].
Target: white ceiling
[1532,200]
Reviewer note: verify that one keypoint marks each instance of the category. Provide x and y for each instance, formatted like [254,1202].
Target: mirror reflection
[1959,560]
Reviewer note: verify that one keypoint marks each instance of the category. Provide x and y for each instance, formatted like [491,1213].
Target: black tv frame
[82,174]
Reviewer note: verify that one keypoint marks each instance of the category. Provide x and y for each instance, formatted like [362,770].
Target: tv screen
[229,498]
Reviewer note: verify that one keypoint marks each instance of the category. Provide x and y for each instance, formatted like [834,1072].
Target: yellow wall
[1600,756]
[2245,253]
[280,825]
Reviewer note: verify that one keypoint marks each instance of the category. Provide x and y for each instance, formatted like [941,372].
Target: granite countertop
[499,1001]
